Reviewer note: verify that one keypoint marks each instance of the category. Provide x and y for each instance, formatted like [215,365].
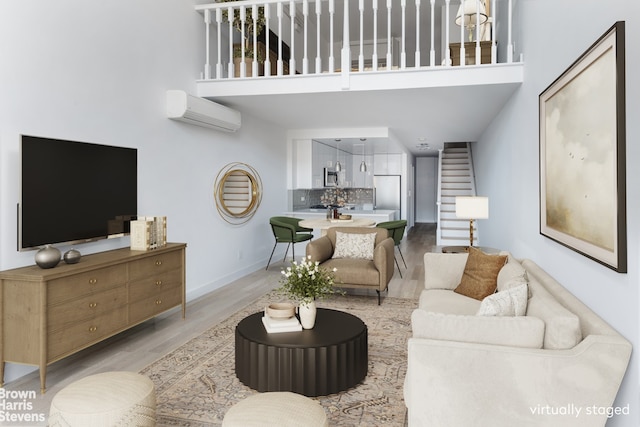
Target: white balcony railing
[343,36]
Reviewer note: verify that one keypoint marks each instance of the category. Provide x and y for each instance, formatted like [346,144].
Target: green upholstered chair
[396,231]
[287,230]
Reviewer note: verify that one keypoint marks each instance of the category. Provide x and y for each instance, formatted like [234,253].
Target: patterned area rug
[196,384]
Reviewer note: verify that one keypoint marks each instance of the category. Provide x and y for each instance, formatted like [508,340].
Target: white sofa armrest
[461,384]
[443,271]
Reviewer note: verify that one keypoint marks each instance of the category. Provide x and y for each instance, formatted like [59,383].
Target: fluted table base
[331,357]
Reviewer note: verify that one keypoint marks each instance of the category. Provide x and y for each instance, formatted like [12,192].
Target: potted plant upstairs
[249,31]
[304,282]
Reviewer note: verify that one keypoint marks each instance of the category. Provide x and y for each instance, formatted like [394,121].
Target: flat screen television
[75,192]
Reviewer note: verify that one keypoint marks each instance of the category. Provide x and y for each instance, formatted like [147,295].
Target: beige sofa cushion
[512,274]
[443,271]
[522,331]
[562,326]
[447,302]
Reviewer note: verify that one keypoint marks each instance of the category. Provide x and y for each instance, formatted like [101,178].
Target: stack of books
[148,232]
[276,325]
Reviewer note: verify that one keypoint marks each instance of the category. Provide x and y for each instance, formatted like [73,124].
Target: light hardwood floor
[136,348]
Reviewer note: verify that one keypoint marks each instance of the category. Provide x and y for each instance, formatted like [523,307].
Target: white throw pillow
[512,302]
[354,245]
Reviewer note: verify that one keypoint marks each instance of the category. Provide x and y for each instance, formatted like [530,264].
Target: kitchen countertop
[345,211]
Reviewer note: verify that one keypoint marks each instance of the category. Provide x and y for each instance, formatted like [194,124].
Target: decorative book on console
[148,232]
[276,325]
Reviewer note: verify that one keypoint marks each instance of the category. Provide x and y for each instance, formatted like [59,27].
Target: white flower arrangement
[306,281]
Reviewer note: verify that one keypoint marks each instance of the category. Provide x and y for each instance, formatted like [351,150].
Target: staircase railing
[265,30]
[472,171]
[439,197]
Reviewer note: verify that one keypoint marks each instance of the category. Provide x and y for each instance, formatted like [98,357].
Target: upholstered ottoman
[107,399]
[278,408]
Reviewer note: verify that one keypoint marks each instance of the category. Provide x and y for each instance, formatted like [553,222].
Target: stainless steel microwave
[330,178]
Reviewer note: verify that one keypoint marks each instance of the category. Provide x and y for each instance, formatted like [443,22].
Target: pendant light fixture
[363,164]
[338,165]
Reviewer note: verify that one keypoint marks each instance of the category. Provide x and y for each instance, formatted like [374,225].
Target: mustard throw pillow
[480,276]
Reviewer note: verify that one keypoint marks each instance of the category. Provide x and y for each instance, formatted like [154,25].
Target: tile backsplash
[306,198]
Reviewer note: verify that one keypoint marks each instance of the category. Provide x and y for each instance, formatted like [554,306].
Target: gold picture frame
[238,192]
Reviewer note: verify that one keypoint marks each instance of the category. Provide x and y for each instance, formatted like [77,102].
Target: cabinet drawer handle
[93,281]
[158,301]
[93,328]
[159,262]
[93,305]
[158,282]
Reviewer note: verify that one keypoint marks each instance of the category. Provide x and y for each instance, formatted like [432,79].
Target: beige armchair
[353,272]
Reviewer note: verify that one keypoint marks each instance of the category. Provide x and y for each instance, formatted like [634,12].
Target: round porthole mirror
[238,192]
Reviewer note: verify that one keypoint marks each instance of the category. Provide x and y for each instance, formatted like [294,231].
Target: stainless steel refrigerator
[387,193]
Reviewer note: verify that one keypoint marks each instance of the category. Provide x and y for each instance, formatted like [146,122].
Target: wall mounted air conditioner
[201,112]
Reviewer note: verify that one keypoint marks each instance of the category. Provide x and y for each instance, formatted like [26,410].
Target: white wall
[506,160]
[426,189]
[97,71]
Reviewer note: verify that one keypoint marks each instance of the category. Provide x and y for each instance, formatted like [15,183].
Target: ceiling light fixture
[363,165]
[338,165]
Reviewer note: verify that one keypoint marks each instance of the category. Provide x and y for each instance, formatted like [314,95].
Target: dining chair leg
[397,265]
[271,256]
[405,264]
[286,252]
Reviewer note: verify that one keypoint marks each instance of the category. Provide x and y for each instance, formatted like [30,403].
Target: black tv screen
[75,192]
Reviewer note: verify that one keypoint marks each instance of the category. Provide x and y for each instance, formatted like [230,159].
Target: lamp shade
[471,12]
[472,207]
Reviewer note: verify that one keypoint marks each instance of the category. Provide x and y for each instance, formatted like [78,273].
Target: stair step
[455,185]
[446,241]
[456,192]
[453,224]
[455,165]
[456,179]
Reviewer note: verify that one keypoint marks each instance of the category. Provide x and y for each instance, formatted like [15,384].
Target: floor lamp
[472,208]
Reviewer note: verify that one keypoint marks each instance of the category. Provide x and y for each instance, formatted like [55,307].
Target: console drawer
[81,334]
[154,285]
[155,264]
[86,307]
[81,284]
[148,307]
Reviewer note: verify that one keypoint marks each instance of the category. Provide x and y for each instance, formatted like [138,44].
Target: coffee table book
[274,326]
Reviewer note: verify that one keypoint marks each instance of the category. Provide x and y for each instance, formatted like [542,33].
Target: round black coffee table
[331,357]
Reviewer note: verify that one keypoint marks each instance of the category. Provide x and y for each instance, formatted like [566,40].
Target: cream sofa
[559,365]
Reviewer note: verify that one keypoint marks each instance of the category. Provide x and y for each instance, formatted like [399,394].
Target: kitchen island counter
[375,215]
[388,214]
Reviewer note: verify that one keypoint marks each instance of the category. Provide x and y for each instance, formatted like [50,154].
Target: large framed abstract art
[582,154]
